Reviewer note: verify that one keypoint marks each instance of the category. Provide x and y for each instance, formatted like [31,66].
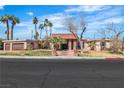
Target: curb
[60,57]
[50,57]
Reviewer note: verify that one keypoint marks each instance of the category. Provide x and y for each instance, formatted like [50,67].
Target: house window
[103,44]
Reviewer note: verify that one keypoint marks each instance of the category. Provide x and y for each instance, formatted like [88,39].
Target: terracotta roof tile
[65,36]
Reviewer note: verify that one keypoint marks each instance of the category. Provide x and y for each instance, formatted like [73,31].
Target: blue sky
[95,16]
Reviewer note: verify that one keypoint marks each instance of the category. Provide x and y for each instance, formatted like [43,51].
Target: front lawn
[100,54]
[26,53]
[49,53]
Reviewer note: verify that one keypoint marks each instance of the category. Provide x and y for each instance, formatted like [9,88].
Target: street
[61,73]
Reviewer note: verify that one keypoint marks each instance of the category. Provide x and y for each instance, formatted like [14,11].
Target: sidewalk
[58,57]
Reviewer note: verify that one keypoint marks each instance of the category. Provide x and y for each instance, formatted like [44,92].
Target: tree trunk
[11,33]
[77,38]
[7,32]
[81,46]
[36,32]
[54,50]
[40,34]
[46,32]
[123,44]
[50,31]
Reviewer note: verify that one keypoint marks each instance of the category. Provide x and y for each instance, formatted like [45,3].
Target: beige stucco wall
[86,46]
[69,44]
[74,44]
[108,45]
[25,45]
[98,46]
[35,45]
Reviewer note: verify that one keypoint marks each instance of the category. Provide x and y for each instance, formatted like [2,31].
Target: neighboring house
[99,44]
[20,44]
[71,43]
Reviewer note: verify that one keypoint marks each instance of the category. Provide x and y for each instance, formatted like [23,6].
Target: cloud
[87,8]
[102,15]
[95,20]
[56,18]
[100,19]
[102,23]
[30,13]
[1,7]
[116,20]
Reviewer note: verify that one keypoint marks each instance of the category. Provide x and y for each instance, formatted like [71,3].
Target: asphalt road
[61,73]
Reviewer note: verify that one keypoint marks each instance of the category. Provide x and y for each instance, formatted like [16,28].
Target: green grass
[26,53]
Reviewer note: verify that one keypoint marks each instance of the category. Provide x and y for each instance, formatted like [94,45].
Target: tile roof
[65,36]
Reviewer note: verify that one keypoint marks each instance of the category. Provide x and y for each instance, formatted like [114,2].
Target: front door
[64,46]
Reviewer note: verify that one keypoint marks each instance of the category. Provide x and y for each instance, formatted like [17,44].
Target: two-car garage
[19,44]
[15,46]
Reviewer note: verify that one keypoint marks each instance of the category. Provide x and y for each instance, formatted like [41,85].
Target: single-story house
[71,43]
[20,44]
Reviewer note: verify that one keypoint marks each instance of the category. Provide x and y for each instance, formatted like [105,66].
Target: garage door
[18,46]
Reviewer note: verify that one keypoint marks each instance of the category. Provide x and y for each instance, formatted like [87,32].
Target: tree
[92,45]
[72,26]
[103,34]
[83,30]
[50,25]
[123,44]
[35,22]
[1,44]
[41,27]
[46,24]
[5,20]
[55,42]
[115,32]
[15,21]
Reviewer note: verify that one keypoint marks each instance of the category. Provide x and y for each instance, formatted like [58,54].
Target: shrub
[1,45]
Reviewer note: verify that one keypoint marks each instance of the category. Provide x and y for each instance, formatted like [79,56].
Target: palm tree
[15,21]
[55,42]
[41,27]
[92,45]
[35,22]
[5,20]
[46,24]
[50,25]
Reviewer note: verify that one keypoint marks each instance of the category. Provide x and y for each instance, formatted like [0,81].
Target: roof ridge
[63,34]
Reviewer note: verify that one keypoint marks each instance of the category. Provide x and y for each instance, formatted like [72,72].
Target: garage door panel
[7,46]
[18,46]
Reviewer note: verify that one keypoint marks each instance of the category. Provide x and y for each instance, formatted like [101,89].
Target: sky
[96,17]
